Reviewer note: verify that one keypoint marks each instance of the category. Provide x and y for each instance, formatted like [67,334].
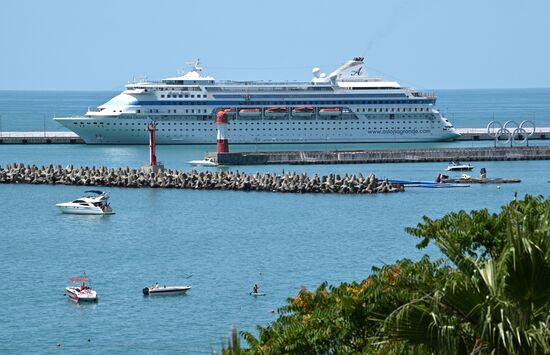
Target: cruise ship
[344,106]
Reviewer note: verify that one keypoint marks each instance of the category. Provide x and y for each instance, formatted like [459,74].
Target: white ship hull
[87,211]
[183,130]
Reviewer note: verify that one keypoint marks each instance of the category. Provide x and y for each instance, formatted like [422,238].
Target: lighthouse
[151,127]
[221,124]
[153,166]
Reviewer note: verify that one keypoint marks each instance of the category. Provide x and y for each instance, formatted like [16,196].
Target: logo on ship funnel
[356,72]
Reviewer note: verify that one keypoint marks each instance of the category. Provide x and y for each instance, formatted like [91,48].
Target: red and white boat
[276,111]
[303,111]
[230,110]
[82,293]
[249,112]
[330,111]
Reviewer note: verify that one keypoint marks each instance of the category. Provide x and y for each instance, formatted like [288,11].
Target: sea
[219,242]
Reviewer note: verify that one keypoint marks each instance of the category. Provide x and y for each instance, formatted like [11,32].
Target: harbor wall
[40,138]
[382,156]
[197,180]
[47,137]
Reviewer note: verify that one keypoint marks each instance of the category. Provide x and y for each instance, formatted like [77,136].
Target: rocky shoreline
[199,180]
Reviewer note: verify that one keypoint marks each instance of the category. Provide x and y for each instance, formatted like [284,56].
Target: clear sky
[429,44]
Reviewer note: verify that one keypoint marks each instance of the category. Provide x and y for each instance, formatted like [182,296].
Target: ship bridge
[193,77]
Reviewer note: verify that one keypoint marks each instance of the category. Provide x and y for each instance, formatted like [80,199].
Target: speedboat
[204,162]
[459,167]
[82,293]
[95,202]
[165,290]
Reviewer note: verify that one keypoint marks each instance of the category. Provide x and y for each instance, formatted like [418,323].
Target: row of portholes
[245,123]
[265,129]
[395,109]
[182,96]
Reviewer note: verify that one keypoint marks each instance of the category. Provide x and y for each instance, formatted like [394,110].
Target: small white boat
[82,293]
[459,167]
[96,203]
[165,290]
[204,162]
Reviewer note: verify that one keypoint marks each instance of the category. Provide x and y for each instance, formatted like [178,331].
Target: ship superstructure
[344,106]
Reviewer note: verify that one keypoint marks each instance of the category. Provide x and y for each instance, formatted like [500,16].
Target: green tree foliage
[345,319]
[483,234]
[495,305]
[491,295]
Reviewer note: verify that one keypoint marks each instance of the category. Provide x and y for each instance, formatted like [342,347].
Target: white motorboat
[82,293]
[165,290]
[95,202]
[204,162]
[459,167]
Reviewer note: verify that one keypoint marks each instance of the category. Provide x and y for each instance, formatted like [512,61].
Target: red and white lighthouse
[221,124]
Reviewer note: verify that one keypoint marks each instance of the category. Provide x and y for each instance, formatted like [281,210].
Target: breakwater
[45,137]
[382,156]
[204,180]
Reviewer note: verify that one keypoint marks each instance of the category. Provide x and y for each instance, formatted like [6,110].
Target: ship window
[161,95]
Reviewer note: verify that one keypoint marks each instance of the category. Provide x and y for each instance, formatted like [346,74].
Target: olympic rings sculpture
[511,132]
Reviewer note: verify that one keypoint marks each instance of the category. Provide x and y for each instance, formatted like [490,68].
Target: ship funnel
[316,72]
[318,77]
[351,69]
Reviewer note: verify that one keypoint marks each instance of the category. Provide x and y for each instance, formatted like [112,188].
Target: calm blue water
[226,240]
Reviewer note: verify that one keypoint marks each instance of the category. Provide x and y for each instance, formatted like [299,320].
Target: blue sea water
[226,240]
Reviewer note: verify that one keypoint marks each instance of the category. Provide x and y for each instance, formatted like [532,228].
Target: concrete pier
[39,138]
[382,156]
[467,134]
[480,134]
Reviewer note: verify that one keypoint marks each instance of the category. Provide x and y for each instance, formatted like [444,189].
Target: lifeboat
[303,111]
[330,111]
[249,112]
[229,111]
[276,111]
